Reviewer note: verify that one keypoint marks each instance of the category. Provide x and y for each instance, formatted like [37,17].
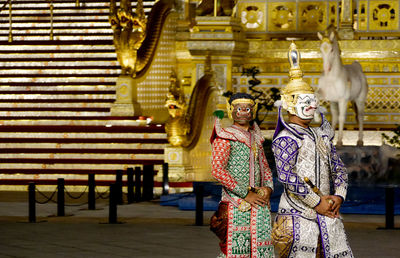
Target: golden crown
[296,84]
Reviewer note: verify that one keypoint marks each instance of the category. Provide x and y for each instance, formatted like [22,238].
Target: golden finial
[296,83]
[208,64]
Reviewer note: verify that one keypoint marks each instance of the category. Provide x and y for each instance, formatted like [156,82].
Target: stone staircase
[56,90]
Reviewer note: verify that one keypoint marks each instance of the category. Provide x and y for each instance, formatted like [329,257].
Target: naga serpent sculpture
[135,37]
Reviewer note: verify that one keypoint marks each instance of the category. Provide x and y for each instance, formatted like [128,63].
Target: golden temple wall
[269,28]
[379,59]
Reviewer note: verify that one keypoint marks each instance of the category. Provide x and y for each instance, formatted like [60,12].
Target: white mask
[306,106]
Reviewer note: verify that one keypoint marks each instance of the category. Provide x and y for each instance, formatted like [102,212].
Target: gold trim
[243,101]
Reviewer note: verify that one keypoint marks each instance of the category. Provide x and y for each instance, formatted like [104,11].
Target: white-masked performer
[308,223]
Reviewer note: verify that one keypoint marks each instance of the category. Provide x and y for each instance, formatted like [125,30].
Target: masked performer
[308,223]
[242,221]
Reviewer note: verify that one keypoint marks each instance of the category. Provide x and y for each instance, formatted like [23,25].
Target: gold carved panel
[312,16]
[384,15]
[383,99]
[252,15]
[333,13]
[360,19]
[282,16]
[301,16]
[377,15]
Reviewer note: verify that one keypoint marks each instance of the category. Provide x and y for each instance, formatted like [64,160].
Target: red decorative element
[221,151]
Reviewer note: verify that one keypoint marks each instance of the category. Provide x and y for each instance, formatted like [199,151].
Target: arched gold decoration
[181,127]
[282,18]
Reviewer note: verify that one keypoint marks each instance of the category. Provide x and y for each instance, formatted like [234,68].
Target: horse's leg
[359,108]
[342,116]
[334,114]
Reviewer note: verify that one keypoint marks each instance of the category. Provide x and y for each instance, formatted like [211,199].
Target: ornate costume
[239,163]
[307,164]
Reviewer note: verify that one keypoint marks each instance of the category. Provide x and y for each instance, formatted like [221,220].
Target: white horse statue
[340,83]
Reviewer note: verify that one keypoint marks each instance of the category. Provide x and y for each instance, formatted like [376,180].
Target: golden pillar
[126,102]
[179,165]
[346,30]
[223,39]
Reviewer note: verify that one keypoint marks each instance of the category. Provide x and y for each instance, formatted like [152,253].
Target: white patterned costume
[308,152]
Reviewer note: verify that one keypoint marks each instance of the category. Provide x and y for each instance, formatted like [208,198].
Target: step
[15,139]
[91,146]
[35,24]
[45,46]
[60,171]
[26,38]
[81,158]
[60,96]
[68,89]
[56,43]
[89,165]
[59,76]
[44,120]
[81,182]
[79,150]
[140,131]
[54,55]
[50,91]
[39,113]
[64,101]
[29,31]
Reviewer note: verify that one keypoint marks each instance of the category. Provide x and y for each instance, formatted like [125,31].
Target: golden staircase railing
[51,19]
[10,36]
[10,32]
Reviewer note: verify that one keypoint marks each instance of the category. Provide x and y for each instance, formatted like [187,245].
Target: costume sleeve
[339,174]
[286,151]
[266,171]
[220,156]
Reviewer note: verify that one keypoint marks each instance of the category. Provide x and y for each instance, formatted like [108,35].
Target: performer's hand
[325,207]
[337,202]
[267,194]
[255,200]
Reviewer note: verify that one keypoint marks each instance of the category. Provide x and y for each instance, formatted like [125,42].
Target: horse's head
[329,50]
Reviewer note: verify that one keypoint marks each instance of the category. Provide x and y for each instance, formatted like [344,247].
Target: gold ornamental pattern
[377,15]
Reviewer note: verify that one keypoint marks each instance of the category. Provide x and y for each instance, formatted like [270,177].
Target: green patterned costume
[239,162]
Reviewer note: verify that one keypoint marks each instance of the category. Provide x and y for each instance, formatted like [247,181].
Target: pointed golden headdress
[296,84]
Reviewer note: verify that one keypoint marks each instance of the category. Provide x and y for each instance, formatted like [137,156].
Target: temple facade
[91,87]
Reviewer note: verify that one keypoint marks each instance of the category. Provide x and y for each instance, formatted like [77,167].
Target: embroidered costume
[238,163]
[308,153]
[307,165]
